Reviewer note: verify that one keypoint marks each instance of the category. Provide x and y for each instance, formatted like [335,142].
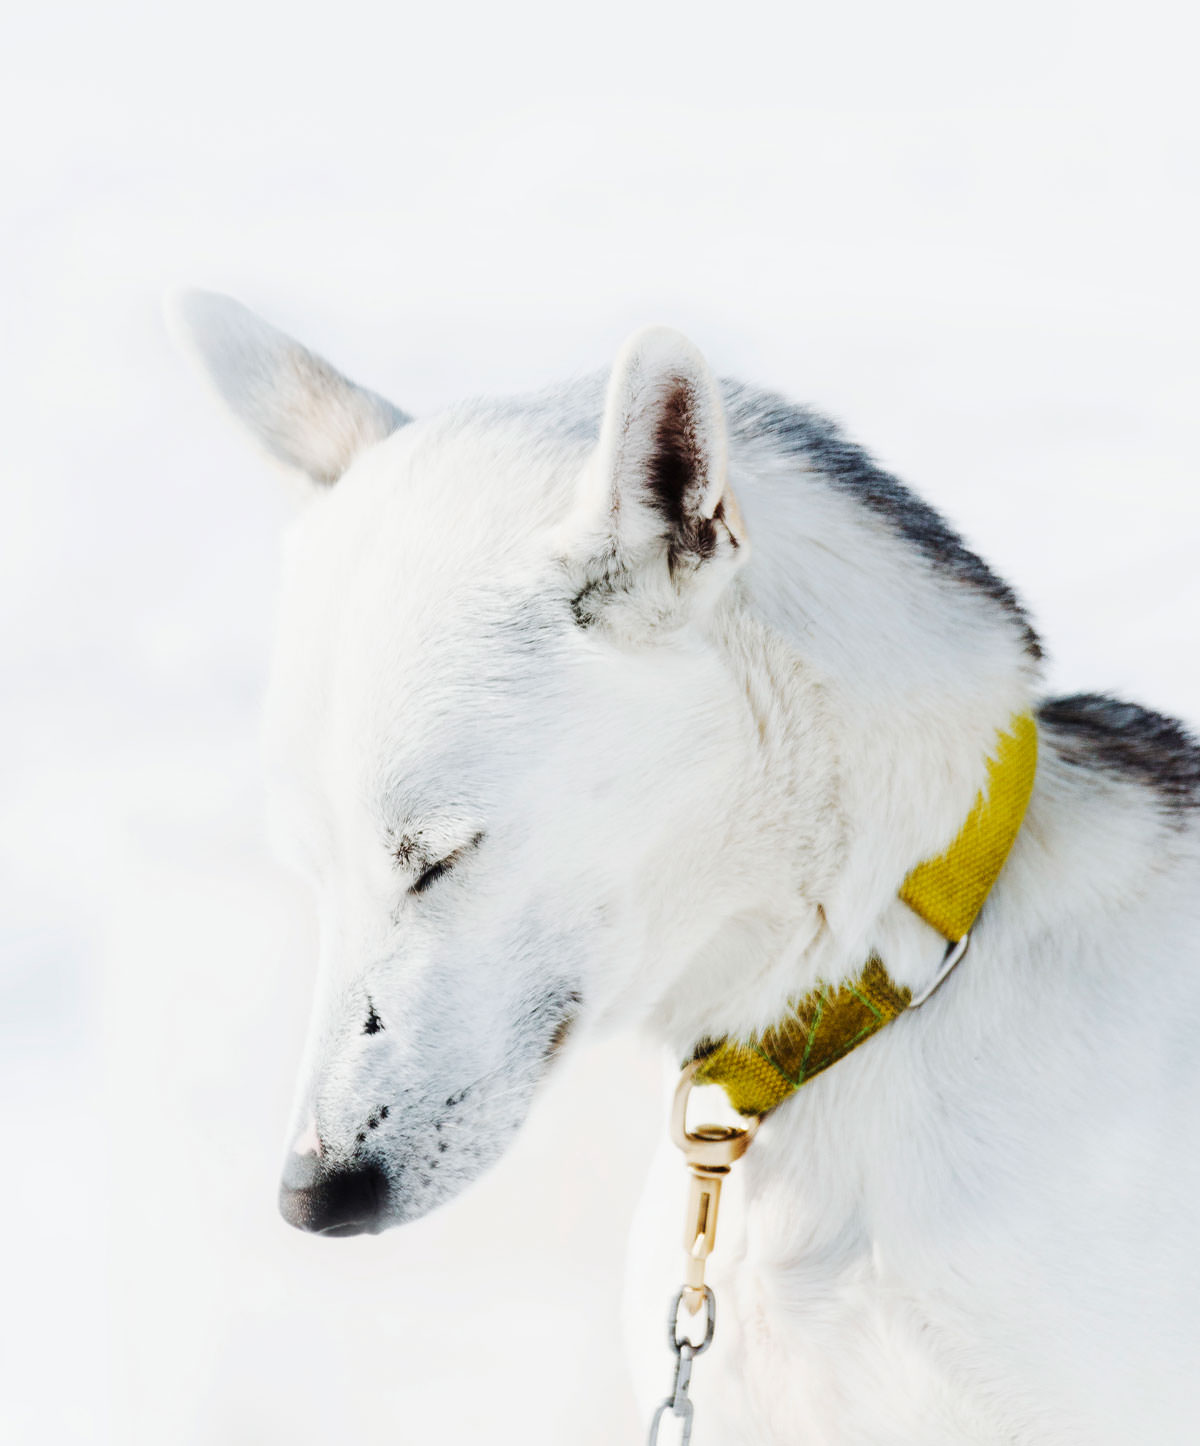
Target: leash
[710,1153]
[822,1027]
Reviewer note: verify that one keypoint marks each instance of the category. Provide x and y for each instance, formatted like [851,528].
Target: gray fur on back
[1092,730]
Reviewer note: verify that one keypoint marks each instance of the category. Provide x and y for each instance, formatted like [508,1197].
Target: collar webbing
[947,892]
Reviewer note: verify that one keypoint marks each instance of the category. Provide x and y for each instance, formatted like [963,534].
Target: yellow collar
[947,892]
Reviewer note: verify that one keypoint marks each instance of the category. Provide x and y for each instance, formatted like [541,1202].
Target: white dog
[641,703]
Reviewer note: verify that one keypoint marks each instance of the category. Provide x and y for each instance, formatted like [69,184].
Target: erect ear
[660,513]
[306,414]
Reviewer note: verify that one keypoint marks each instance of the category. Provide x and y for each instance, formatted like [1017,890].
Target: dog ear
[306,414]
[660,512]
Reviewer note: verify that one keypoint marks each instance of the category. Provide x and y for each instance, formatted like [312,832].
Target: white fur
[979,1227]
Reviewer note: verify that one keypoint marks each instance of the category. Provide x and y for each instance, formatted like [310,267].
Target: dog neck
[877,688]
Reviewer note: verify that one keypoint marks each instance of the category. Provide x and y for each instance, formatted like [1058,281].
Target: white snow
[971,234]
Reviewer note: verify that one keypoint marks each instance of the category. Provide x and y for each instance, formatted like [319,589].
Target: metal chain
[678,1402]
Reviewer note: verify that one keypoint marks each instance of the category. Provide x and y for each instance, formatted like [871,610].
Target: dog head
[500,743]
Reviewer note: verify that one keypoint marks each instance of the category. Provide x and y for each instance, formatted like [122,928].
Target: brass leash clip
[710,1151]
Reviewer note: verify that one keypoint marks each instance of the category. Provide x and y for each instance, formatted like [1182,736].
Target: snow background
[970,235]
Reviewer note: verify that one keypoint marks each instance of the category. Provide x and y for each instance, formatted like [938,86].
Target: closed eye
[430,875]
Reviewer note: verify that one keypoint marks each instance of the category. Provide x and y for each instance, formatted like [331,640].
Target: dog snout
[331,1200]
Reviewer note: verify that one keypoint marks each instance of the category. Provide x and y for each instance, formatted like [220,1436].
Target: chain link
[678,1403]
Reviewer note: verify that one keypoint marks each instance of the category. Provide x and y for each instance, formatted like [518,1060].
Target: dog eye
[429,876]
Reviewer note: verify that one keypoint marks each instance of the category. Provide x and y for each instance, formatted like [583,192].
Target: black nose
[331,1201]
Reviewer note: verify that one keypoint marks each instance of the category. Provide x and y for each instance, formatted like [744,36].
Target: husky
[632,703]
